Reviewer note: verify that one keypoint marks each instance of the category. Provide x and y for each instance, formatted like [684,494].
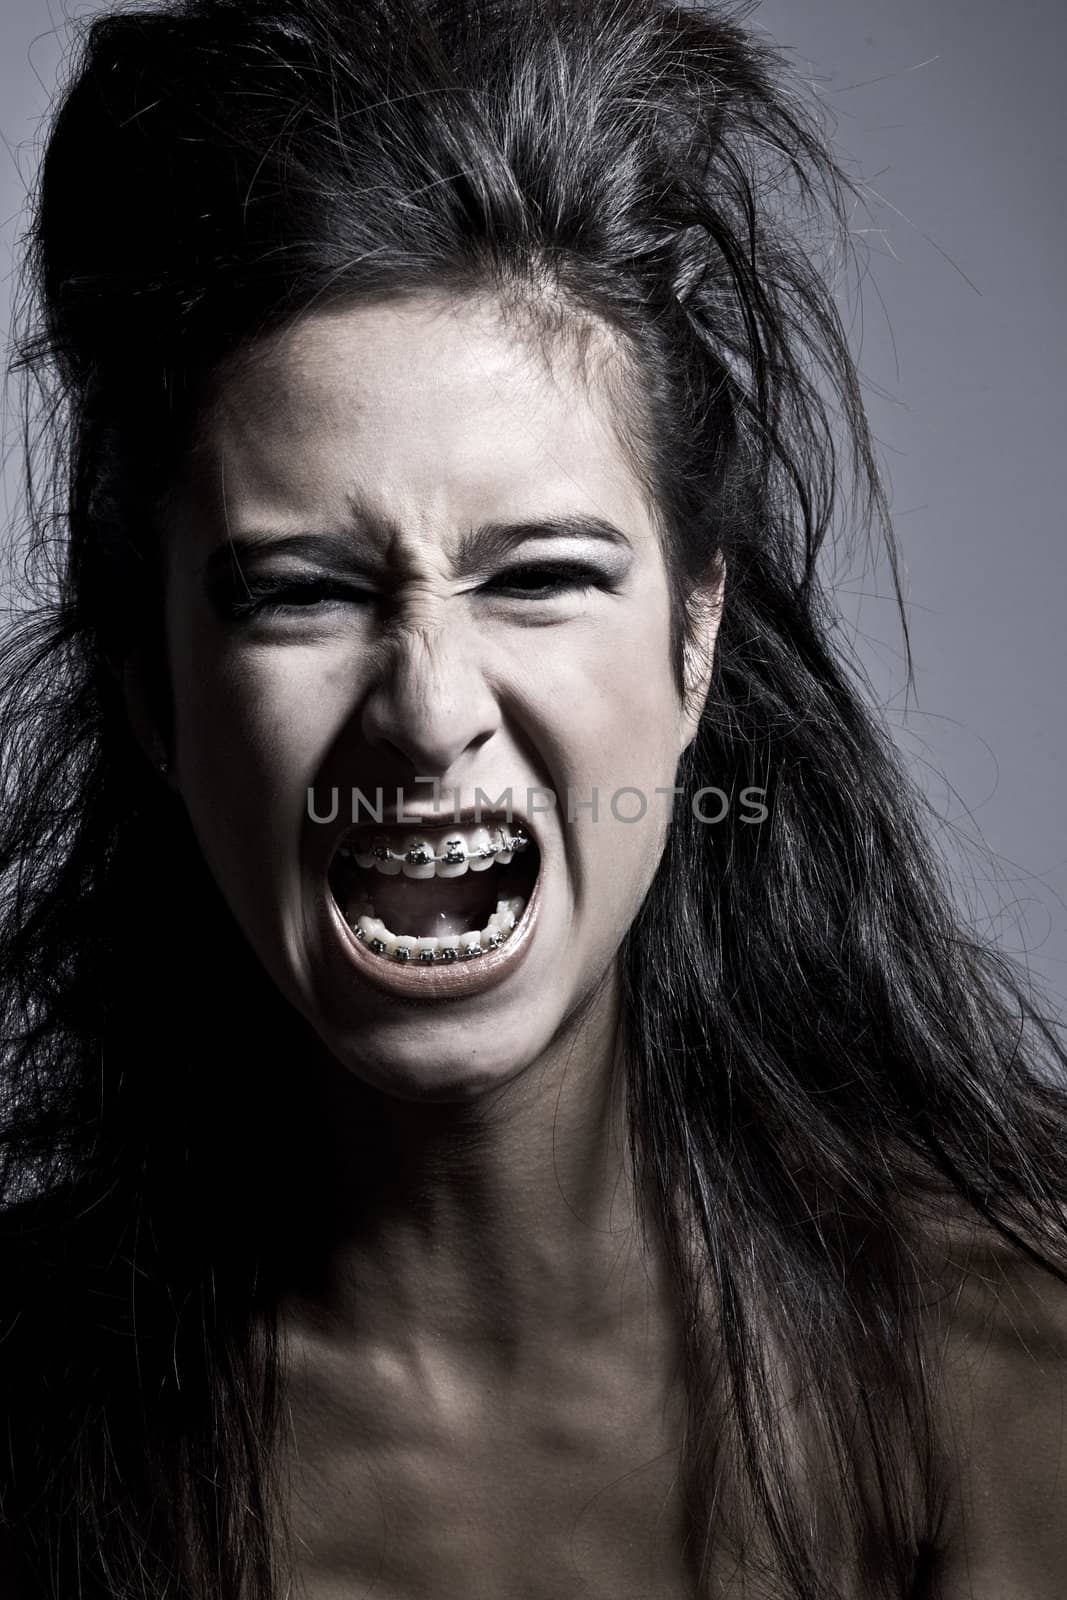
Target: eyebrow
[352,549]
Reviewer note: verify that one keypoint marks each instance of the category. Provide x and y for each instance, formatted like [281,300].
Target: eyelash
[263,598]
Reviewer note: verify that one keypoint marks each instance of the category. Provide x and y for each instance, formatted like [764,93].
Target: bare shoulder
[996,1341]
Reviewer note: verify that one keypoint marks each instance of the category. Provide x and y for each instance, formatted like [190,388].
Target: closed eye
[541,580]
[266,597]
[292,596]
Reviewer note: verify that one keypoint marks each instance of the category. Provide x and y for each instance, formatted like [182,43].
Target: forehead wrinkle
[394,545]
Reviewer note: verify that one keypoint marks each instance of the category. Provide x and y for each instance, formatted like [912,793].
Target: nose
[430,700]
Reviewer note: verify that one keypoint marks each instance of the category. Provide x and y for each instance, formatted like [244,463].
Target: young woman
[497,1098]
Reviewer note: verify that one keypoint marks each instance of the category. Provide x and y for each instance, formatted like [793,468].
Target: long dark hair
[818,1051]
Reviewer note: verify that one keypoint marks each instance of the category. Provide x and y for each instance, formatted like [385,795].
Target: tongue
[432,907]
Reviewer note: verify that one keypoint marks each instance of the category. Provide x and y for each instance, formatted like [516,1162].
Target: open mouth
[431,895]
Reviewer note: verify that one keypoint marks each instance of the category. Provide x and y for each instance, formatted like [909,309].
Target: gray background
[953,116]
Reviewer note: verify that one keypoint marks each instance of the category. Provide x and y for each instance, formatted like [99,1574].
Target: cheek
[259,716]
[624,745]
[250,732]
[620,686]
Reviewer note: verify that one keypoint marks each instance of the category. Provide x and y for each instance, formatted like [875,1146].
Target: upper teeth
[461,850]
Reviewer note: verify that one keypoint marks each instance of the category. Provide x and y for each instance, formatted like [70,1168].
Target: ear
[140,691]
[704,615]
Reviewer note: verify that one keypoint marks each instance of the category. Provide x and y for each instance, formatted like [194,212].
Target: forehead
[437,410]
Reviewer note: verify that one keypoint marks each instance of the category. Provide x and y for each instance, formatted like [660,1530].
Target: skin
[486,1329]
[483,1361]
[438,419]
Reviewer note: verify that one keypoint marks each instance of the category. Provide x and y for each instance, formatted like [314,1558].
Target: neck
[492,1223]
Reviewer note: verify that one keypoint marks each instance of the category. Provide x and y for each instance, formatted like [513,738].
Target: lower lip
[413,981]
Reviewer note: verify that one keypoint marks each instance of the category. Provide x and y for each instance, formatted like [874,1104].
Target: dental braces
[427,958]
[455,852]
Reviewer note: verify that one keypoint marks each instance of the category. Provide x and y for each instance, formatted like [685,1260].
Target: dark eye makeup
[295,594]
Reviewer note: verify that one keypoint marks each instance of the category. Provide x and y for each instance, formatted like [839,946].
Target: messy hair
[816,1047]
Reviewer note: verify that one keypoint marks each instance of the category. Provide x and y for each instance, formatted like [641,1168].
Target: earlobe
[704,607]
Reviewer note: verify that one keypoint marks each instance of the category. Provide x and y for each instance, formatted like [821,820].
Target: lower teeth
[448,947]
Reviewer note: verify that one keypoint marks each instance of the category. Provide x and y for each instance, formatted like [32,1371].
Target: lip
[459,979]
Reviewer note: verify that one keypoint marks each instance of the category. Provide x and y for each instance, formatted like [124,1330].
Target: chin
[452,1066]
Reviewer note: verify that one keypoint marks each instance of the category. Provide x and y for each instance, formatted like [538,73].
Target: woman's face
[410,551]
